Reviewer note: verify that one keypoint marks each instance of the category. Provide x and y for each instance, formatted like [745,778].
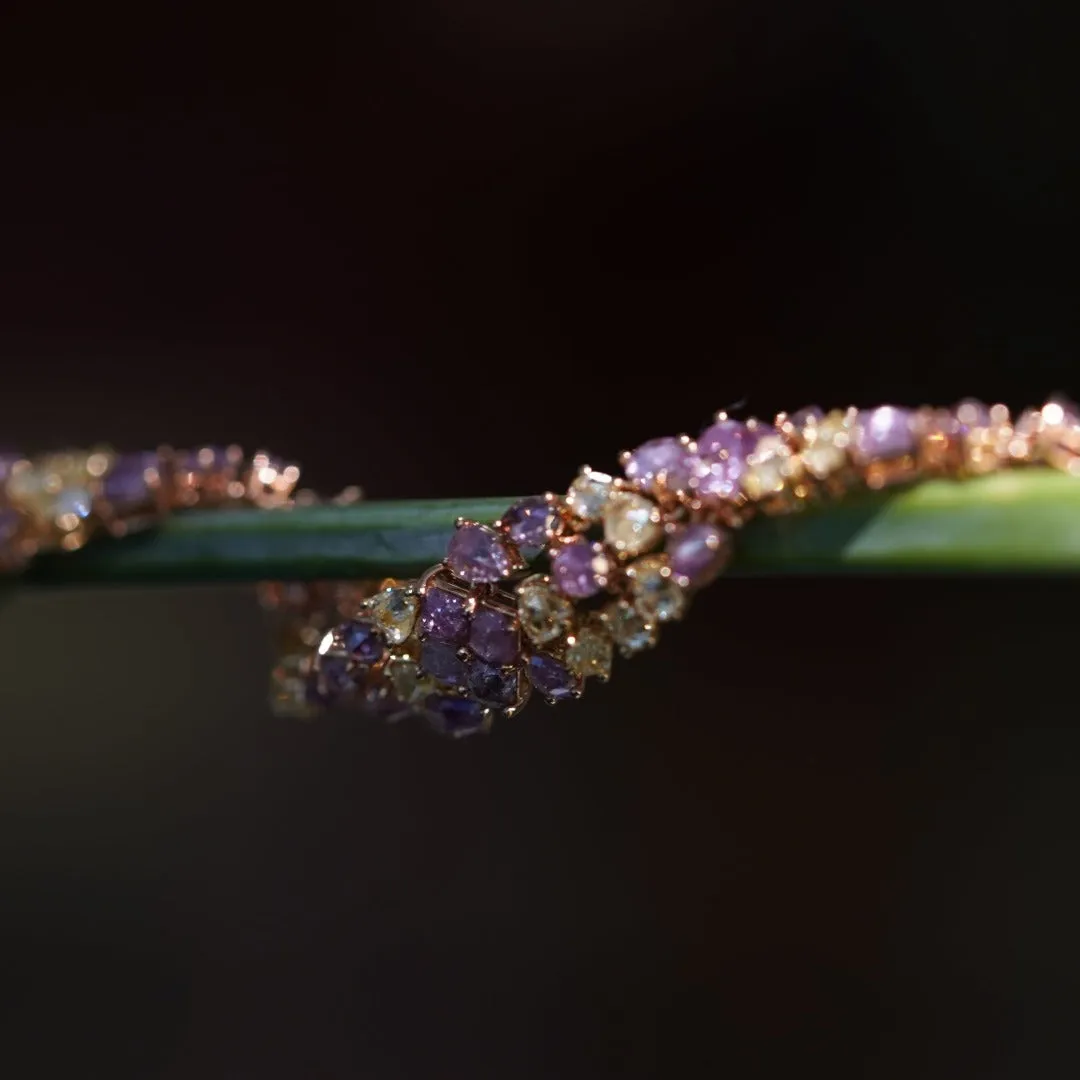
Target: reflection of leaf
[1021,520]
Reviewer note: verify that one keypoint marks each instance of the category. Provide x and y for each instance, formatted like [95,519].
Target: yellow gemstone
[633,633]
[769,468]
[632,523]
[394,611]
[826,445]
[657,595]
[591,649]
[545,615]
[588,495]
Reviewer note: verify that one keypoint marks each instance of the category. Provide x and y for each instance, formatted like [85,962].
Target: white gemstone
[591,650]
[631,630]
[394,610]
[544,614]
[657,595]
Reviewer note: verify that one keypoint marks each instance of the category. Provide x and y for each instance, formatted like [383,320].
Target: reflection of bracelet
[59,501]
[473,637]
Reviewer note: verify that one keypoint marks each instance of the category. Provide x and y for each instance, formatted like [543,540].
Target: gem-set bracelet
[540,601]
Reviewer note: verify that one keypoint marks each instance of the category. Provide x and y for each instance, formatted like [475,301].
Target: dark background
[458,247]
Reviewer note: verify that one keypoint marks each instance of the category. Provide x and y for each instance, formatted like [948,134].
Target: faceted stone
[723,449]
[530,522]
[479,554]
[494,636]
[402,675]
[591,650]
[632,632]
[827,444]
[884,433]
[335,677]
[580,568]
[769,468]
[632,523]
[588,494]
[442,662]
[53,487]
[361,642]
[545,614]
[657,595]
[394,611]
[697,553]
[665,461]
[726,438]
[128,482]
[456,716]
[444,617]
[494,685]
[554,681]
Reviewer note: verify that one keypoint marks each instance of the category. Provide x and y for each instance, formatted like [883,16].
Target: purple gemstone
[444,617]
[494,636]
[478,554]
[362,642]
[492,685]
[575,567]
[454,716]
[698,553]
[9,523]
[333,679]
[204,460]
[667,457]
[529,521]
[442,662]
[804,416]
[884,433]
[726,438]
[553,680]
[127,485]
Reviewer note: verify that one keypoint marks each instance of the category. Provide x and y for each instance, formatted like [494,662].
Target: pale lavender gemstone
[444,617]
[493,636]
[442,662]
[476,554]
[529,521]
[574,568]
[698,552]
[884,433]
[726,438]
[971,413]
[492,685]
[126,484]
[550,677]
[667,457]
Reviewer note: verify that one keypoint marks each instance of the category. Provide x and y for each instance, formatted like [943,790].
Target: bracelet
[539,601]
[59,501]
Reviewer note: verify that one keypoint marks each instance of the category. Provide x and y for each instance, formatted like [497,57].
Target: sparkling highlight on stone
[478,554]
[826,444]
[884,433]
[494,685]
[591,650]
[657,595]
[632,632]
[444,617]
[588,495]
[552,680]
[632,523]
[494,636]
[697,553]
[545,614]
[769,468]
[667,462]
[530,523]
[580,568]
[394,611]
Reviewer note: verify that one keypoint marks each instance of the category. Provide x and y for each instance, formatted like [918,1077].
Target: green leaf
[1010,521]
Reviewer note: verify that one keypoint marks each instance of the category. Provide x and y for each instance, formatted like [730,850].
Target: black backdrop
[458,247]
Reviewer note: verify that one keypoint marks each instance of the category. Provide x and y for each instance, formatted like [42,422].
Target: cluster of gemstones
[58,501]
[541,600]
